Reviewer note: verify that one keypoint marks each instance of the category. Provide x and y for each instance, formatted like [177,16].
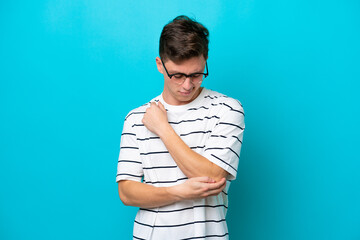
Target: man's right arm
[143,195]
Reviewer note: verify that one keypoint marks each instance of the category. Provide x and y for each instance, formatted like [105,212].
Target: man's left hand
[155,118]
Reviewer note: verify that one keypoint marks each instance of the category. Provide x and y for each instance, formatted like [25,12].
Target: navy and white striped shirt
[211,125]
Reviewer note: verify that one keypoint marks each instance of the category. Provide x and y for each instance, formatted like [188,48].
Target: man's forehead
[195,64]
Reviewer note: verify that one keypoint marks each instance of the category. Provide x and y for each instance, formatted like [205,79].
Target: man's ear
[159,65]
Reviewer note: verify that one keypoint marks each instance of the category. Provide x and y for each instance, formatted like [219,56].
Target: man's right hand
[142,195]
[198,187]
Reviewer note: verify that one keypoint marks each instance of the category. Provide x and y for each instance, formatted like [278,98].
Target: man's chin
[186,97]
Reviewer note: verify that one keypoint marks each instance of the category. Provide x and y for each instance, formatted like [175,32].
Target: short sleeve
[224,144]
[129,163]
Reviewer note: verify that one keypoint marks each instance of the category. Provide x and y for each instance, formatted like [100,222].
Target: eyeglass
[195,78]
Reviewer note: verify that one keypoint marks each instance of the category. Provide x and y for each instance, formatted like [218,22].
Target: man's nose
[187,83]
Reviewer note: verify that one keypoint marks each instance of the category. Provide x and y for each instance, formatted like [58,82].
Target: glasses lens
[179,78]
[197,77]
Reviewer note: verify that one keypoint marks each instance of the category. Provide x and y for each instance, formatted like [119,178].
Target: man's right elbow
[124,199]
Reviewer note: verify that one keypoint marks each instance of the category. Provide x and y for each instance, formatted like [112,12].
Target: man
[179,152]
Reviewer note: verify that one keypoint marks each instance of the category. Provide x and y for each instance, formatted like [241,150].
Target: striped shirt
[211,125]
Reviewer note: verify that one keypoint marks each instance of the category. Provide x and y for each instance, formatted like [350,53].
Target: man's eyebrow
[174,72]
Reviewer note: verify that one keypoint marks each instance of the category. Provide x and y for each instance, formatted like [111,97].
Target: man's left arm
[191,163]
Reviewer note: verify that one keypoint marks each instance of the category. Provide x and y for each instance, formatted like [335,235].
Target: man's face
[175,94]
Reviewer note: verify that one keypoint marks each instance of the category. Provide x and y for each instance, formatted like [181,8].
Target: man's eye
[178,76]
[196,75]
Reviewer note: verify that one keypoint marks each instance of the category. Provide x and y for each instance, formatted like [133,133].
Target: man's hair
[182,39]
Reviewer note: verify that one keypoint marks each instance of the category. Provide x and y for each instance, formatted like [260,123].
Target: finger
[217,185]
[215,192]
[161,106]
[204,179]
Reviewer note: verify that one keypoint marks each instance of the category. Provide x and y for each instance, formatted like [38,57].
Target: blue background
[71,70]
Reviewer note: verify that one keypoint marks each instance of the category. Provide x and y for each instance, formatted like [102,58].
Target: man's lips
[185,92]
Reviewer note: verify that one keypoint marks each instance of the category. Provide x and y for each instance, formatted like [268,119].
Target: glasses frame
[188,76]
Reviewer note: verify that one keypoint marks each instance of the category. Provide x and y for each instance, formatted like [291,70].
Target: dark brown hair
[182,39]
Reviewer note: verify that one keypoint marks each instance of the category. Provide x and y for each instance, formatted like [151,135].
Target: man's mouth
[185,93]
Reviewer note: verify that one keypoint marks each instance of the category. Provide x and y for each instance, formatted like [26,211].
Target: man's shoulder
[136,114]
[216,98]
